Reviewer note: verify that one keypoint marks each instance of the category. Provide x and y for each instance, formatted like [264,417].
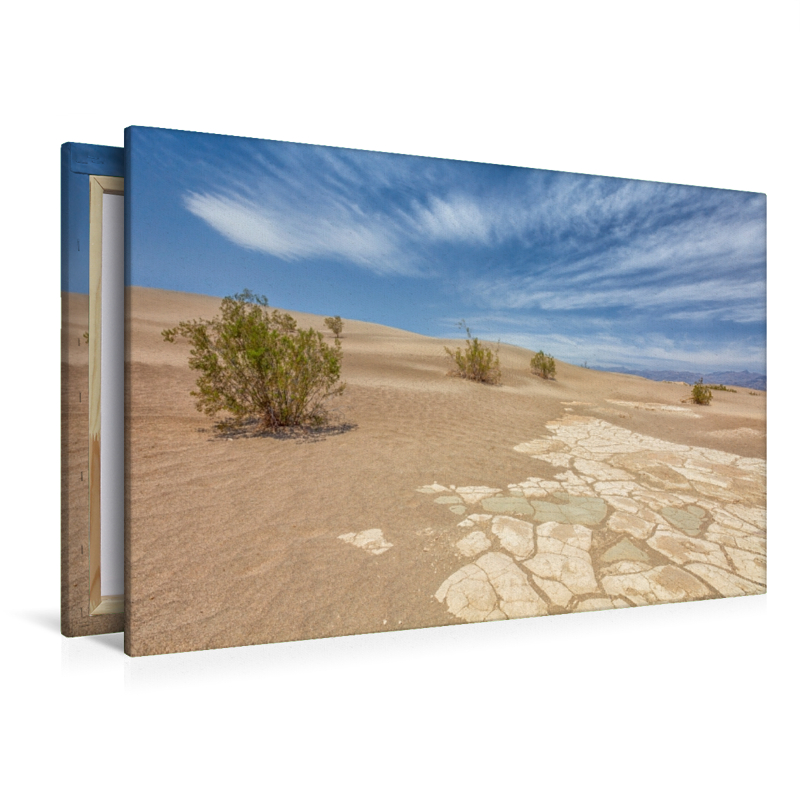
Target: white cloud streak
[555,242]
[290,234]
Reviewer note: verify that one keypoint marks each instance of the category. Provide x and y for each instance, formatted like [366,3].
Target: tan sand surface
[436,501]
[75,578]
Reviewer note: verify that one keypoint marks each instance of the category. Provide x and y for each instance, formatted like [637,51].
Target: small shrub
[718,387]
[478,362]
[335,324]
[701,394]
[254,363]
[544,365]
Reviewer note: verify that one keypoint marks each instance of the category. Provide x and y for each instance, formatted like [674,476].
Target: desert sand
[435,501]
[75,578]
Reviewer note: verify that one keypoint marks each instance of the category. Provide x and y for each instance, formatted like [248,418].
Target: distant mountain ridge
[747,379]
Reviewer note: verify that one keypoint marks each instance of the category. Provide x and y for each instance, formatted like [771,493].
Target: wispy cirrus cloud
[573,257]
[396,215]
[291,234]
[299,203]
[664,252]
[672,298]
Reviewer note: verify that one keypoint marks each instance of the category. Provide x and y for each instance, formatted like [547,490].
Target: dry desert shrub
[543,365]
[335,325]
[701,394]
[477,362]
[254,363]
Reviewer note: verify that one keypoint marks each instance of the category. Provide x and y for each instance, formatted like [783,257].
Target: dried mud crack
[631,520]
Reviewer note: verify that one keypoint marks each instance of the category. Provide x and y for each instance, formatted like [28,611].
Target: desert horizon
[429,499]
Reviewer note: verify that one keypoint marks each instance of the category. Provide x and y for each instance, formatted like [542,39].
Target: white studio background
[695,700]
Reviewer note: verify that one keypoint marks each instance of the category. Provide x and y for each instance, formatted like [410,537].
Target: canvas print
[91,181]
[372,392]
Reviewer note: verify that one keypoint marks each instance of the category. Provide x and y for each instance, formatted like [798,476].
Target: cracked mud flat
[631,520]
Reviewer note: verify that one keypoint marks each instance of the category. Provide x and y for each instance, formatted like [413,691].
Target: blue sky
[607,271]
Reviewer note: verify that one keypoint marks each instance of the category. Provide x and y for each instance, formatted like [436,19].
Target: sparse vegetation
[718,387]
[335,324]
[701,394]
[256,365]
[478,362]
[543,365]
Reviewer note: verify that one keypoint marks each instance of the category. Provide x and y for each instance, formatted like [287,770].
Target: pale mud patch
[432,488]
[491,588]
[562,567]
[469,595]
[624,550]
[569,509]
[631,524]
[371,540]
[750,542]
[475,543]
[751,566]
[688,519]
[753,516]
[562,577]
[624,504]
[656,407]
[727,584]
[514,535]
[682,549]
[660,585]
[540,446]
[474,494]
[508,505]
[556,459]
[517,598]
[534,487]
[601,604]
[598,470]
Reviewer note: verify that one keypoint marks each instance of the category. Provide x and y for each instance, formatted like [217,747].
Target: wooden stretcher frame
[99,185]
[83,613]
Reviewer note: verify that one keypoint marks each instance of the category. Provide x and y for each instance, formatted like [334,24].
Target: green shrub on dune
[254,363]
[543,365]
[335,325]
[477,362]
[701,394]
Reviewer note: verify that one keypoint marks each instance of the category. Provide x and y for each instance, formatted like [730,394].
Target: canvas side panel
[128,576]
[77,163]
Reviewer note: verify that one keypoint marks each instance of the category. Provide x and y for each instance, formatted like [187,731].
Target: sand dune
[439,501]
